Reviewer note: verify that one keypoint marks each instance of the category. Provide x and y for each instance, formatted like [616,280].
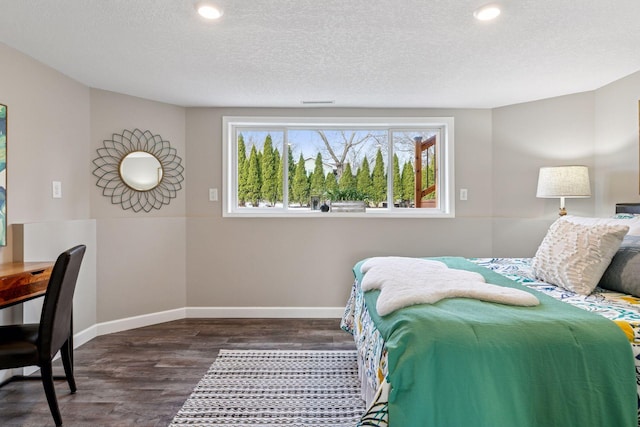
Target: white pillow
[575,252]
[633,222]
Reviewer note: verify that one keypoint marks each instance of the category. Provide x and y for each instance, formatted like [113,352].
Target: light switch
[213,194]
[463,194]
[56,189]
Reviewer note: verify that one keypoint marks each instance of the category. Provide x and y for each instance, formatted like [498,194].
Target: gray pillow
[623,274]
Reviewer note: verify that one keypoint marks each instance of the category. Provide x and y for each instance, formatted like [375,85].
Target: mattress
[372,352]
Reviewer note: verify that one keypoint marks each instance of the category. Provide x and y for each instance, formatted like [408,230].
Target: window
[275,166]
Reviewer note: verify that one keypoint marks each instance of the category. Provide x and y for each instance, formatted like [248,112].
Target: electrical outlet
[213,194]
[463,194]
[56,189]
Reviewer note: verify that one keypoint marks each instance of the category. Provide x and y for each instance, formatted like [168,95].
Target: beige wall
[289,262]
[141,267]
[550,132]
[112,113]
[187,254]
[55,126]
[598,129]
[616,143]
[48,130]
[45,241]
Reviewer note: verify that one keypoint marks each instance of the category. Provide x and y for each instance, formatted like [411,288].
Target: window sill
[316,214]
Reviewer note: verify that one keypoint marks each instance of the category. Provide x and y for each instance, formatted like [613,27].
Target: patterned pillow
[623,274]
[632,221]
[575,255]
[625,216]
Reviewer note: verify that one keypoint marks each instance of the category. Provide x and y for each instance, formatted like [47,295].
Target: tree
[253,178]
[268,173]
[300,183]
[292,170]
[317,178]
[278,161]
[338,149]
[397,180]
[242,171]
[331,183]
[347,181]
[408,182]
[378,180]
[363,178]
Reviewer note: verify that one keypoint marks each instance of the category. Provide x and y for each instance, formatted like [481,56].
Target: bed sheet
[372,357]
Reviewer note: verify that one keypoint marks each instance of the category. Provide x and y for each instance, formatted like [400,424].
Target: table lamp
[560,182]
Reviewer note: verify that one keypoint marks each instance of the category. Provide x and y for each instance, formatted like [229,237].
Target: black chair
[37,344]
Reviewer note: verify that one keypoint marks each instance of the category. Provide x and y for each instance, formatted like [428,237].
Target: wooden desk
[22,281]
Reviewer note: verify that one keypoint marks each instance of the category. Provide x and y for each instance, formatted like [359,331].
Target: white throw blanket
[409,281]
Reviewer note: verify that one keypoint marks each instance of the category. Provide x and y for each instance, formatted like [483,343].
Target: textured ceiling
[358,53]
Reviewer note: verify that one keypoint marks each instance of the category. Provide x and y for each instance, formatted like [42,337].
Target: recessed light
[487,12]
[208,11]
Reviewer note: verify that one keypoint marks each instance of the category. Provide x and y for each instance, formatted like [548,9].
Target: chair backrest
[55,320]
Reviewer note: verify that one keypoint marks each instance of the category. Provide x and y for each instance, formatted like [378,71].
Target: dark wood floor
[143,376]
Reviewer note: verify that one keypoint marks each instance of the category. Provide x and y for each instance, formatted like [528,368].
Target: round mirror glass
[141,171]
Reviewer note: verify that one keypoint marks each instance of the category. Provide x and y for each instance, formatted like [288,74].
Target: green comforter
[468,363]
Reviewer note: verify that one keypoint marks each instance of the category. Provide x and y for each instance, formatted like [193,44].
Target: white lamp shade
[564,181]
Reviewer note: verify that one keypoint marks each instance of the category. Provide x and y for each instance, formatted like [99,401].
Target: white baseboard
[134,322]
[139,321]
[265,312]
[83,337]
[86,335]
[213,313]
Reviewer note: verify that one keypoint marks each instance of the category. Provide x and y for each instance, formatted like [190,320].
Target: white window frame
[445,163]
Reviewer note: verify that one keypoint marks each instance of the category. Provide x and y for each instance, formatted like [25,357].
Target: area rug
[276,388]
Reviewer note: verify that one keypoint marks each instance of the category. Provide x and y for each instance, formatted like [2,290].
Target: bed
[481,363]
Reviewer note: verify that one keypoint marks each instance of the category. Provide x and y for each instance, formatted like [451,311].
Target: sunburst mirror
[138,170]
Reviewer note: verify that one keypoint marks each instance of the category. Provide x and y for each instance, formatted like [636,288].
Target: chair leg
[47,381]
[66,354]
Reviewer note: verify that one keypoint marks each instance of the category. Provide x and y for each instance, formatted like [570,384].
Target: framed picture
[3,175]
